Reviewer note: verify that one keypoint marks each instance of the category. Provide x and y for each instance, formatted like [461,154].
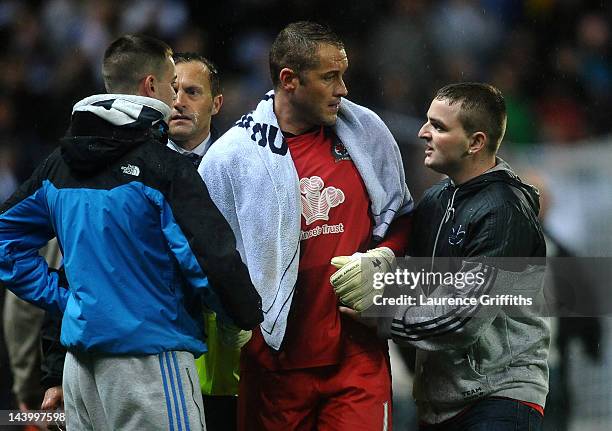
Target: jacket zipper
[450,212]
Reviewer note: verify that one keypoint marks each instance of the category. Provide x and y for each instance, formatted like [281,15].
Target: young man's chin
[431,164]
[428,162]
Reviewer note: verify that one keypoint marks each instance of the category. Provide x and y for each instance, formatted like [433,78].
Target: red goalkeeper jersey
[335,221]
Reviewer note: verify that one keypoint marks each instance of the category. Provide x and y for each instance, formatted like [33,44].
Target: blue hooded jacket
[144,246]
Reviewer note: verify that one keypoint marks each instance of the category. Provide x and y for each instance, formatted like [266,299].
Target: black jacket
[467,352]
[53,351]
[492,215]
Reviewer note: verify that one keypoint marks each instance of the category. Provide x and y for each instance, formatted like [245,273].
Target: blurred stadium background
[551,58]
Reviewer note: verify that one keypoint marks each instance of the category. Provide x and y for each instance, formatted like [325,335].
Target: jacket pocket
[474,361]
[492,351]
[449,378]
[196,396]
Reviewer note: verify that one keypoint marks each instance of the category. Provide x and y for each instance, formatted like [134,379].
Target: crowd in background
[552,59]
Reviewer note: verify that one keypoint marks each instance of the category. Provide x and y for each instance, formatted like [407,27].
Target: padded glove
[231,336]
[353,282]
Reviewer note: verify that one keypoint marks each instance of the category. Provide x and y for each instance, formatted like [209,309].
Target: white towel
[251,177]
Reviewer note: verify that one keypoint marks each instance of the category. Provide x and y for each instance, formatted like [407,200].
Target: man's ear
[147,86]
[288,79]
[217,103]
[478,142]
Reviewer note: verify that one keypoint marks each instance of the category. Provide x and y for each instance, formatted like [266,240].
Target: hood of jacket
[501,172]
[106,126]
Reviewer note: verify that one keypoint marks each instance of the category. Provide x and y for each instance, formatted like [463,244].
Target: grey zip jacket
[487,226]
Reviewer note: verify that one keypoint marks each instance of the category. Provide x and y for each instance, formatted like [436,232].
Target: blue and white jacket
[144,246]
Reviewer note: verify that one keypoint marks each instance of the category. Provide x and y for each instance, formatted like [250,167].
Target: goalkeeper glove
[353,282]
[231,336]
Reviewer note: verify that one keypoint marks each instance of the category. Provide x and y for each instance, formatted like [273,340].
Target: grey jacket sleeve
[453,315]
[451,318]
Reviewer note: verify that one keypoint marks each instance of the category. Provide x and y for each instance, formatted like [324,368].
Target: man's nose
[424,132]
[341,90]
[178,98]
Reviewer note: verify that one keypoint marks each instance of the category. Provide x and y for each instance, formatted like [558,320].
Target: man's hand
[54,399]
[353,280]
[232,336]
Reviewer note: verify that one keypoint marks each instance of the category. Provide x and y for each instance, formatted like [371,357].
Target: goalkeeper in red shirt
[307,180]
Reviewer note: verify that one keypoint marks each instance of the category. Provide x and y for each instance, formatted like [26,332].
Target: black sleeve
[501,232]
[53,353]
[426,219]
[213,243]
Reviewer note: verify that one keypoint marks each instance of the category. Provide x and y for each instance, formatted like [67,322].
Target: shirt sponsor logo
[325,229]
[317,200]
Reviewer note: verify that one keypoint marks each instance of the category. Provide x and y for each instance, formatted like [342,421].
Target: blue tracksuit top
[144,246]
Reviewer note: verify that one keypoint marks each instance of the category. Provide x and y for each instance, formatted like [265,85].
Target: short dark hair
[213,75]
[296,46]
[482,109]
[130,58]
